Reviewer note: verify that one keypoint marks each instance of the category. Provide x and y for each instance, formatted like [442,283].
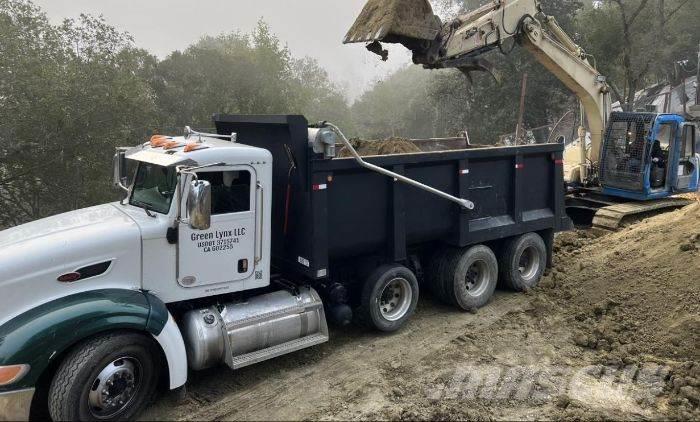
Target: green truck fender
[44,333]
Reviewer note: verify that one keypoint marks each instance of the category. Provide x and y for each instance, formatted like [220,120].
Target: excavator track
[613,217]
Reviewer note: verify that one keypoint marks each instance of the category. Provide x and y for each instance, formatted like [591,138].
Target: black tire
[76,384]
[522,262]
[469,277]
[437,267]
[380,286]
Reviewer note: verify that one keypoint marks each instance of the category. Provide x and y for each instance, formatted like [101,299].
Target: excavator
[636,163]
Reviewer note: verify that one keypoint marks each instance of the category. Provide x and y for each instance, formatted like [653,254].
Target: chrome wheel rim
[395,299]
[476,279]
[529,263]
[115,387]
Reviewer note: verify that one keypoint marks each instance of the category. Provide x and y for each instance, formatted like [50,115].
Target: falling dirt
[407,18]
[612,332]
[387,146]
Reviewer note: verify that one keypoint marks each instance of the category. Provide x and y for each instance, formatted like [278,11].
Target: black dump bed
[337,210]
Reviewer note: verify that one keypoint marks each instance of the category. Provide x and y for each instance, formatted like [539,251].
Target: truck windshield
[154,187]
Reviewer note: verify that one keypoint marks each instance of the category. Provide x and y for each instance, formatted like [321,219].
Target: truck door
[687,180]
[226,251]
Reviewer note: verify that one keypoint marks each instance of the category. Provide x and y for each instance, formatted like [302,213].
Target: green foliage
[397,107]
[240,73]
[638,42]
[71,93]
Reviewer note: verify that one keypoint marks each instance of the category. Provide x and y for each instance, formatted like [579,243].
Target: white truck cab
[87,295]
[232,253]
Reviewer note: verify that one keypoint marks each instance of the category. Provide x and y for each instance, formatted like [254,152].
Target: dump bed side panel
[337,210]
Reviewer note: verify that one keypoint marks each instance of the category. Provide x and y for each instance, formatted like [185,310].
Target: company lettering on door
[219,240]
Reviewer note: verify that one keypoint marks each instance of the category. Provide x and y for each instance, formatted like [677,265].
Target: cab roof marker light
[12,373]
[171,145]
[194,147]
[158,140]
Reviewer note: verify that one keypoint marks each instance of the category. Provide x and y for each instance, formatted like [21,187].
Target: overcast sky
[312,28]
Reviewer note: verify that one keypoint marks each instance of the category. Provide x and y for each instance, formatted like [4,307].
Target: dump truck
[236,247]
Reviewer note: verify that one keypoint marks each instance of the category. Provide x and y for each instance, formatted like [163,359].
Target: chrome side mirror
[199,205]
[119,165]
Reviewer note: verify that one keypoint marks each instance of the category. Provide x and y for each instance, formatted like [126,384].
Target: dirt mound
[633,296]
[387,146]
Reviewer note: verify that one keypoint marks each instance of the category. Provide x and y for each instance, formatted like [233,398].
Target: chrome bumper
[14,405]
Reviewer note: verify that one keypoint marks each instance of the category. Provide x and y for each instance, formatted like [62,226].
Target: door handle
[260,211]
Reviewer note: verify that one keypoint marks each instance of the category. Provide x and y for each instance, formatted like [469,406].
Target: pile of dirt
[387,146]
[633,296]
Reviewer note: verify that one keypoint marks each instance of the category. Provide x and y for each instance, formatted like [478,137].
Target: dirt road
[611,333]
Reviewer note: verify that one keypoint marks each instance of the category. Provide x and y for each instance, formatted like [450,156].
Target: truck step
[282,349]
[612,217]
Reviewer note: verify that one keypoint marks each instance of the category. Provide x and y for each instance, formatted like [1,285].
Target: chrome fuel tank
[258,329]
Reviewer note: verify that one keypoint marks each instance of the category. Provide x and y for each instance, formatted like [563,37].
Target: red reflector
[520,166]
[70,277]
[558,161]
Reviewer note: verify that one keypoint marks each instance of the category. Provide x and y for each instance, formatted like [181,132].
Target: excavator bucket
[395,21]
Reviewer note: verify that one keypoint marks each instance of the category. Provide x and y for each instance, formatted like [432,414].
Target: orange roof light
[171,144]
[192,146]
[158,140]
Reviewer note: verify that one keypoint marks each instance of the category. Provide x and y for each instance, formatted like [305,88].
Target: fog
[313,28]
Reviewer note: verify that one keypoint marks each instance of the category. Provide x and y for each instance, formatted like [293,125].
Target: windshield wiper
[146,207]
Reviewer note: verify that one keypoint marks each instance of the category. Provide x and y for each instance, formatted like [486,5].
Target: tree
[243,73]
[70,94]
[639,42]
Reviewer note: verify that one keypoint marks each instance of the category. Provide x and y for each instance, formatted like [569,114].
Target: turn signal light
[12,373]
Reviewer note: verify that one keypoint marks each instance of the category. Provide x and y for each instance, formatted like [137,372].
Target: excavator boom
[462,42]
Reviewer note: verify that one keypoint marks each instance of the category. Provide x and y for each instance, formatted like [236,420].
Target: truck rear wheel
[111,377]
[469,277]
[523,261]
[389,298]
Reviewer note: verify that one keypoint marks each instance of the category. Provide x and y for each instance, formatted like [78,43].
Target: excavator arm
[462,42]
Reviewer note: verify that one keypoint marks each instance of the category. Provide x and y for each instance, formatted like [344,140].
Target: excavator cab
[648,156]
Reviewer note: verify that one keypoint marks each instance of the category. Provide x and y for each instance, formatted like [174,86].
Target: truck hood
[34,255]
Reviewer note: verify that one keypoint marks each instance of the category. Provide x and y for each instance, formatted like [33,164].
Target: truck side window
[230,191]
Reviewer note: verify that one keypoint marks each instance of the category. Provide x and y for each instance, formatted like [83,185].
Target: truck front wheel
[523,261]
[389,298]
[111,377]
